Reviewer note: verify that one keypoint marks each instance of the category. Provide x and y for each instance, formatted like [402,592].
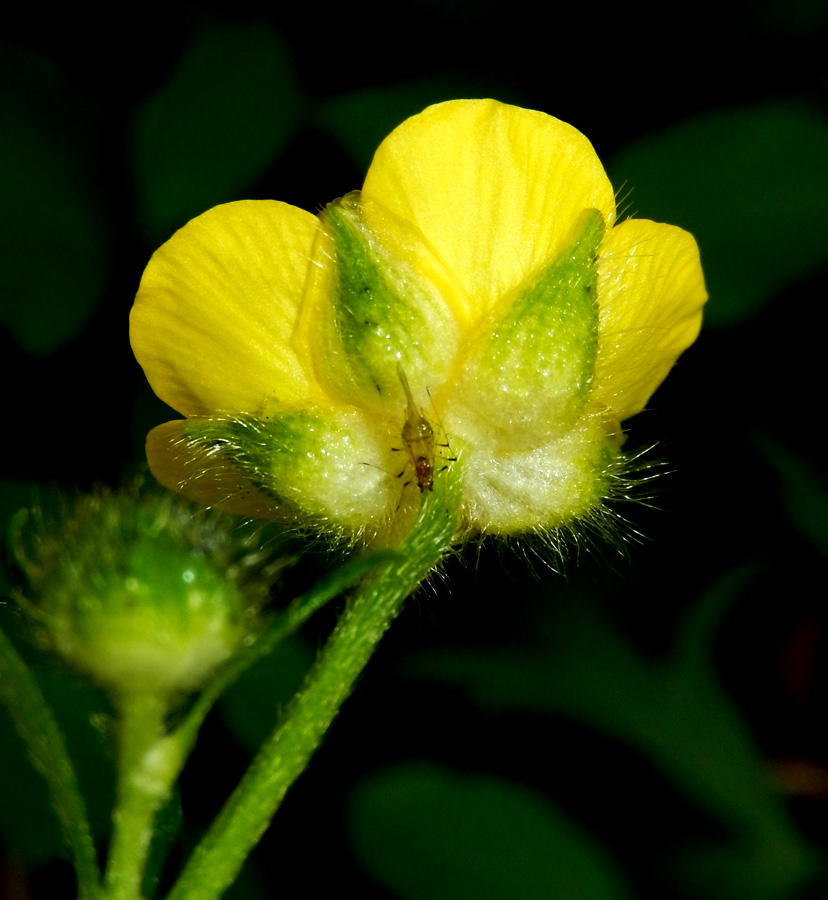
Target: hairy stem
[284,755]
[147,766]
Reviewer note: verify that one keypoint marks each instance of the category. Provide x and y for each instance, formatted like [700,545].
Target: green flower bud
[139,591]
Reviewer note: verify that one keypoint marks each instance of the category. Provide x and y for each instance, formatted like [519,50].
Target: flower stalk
[44,741]
[148,765]
[284,755]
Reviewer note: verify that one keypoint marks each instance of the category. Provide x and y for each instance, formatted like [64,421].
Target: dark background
[660,703]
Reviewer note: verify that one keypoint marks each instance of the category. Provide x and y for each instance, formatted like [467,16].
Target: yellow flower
[475,309]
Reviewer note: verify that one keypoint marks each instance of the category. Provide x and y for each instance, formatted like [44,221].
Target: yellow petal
[209,482]
[650,293]
[494,189]
[213,320]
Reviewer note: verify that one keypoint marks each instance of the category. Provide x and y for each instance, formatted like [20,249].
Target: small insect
[418,438]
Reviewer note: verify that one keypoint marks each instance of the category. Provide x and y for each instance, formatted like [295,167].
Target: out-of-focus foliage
[27,823]
[54,240]
[673,712]
[251,705]
[804,491]
[752,186]
[429,834]
[225,113]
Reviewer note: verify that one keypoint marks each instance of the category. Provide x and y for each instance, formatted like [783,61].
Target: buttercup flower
[476,308]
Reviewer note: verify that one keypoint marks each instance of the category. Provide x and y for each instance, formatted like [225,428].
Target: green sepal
[384,314]
[322,467]
[534,359]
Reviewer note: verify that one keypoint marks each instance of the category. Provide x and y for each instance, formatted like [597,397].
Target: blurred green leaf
[804,492]
[84,717]
[674,712]
[225,114]
[27,823]
[796,17]
[751,185]
[54,245]
[251,884]
[14,495]
[251,705]
[40,708]
[426,833]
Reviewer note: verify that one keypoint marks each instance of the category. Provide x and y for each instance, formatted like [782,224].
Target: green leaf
[673,712]
[84,716]
[54,245]
[751,185]
[37,728]
[804,490]
[426,833]
[27,823]
[251,705]
[227,111]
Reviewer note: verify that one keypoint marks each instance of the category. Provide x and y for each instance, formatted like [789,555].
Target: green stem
[219,857]
[148,764]
[299,612]
[36,725]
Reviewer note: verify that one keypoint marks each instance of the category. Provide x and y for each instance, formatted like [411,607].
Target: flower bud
[140,591]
